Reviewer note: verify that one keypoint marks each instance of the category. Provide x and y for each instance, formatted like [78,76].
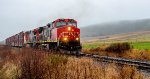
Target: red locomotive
[59,34]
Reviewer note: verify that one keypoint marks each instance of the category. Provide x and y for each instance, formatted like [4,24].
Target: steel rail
[133,62]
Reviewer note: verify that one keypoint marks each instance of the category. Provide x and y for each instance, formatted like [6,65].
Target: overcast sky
[20,15]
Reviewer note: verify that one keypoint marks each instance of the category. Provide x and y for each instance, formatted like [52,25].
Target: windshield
[72,23]
[60,24]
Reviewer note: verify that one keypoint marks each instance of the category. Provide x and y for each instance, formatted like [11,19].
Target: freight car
[59,34]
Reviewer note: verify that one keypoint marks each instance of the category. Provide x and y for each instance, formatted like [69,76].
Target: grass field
[135,45]
[133,50]
[91,45]
[141,45]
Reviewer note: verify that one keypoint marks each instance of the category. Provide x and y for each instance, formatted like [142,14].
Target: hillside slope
[115,28]
[2,42]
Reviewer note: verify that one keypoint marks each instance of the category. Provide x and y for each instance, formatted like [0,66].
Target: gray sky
[20,15]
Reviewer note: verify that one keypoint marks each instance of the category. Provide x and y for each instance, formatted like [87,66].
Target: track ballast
[133,62]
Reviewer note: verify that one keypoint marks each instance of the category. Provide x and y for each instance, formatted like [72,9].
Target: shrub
[38,64]
[118,47]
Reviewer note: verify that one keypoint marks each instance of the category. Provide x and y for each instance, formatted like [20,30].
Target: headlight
[77,39]
[65,39]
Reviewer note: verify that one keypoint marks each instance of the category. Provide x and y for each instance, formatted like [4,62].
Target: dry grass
[38,64]
[137,54]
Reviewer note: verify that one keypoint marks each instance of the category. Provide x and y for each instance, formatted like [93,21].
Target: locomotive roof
[66,20]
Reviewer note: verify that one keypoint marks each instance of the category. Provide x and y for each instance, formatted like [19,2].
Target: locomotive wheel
[77,52]
[53,46]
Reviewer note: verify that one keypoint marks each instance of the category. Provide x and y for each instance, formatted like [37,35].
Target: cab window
[60,24]
[72,24]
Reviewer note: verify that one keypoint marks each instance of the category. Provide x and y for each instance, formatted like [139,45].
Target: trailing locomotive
[59,34]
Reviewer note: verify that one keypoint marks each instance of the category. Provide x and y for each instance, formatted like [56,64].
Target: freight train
[59,34]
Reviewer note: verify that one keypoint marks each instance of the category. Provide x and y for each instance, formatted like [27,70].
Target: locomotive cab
[68,35]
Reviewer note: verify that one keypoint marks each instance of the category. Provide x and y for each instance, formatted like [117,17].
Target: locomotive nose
[69,38]
[68,33]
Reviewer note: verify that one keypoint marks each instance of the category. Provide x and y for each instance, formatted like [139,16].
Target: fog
[22,15]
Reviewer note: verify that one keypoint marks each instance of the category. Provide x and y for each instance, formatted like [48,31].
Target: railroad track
[137,63]
[132,62]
